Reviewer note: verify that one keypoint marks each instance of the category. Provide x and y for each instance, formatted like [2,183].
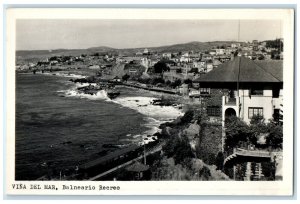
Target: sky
[38,34]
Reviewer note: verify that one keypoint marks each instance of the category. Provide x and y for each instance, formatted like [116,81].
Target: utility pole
[145,154]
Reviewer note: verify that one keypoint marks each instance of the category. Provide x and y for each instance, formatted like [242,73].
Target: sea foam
[155,115]
[100,95]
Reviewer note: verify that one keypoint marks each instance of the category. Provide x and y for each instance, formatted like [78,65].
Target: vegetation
[178,148]
[194,169]
[176,83]
[239,133]
[160,67]
[278,44]
[125,77]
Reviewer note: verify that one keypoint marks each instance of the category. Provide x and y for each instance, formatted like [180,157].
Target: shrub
[204,173]
[179,149]
[187,117]
[236,131]
[219,161]
[176,83]
[125,77]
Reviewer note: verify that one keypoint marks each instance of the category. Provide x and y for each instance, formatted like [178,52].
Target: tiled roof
[245,70]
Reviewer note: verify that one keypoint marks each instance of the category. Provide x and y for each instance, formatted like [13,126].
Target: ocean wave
[100,95]
[143,105]
[155,115]
[60,74]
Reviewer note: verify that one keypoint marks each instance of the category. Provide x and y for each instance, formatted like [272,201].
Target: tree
[275,136]
[257,127]
[176,83]
[125,77]
[188,81]
[260,57]
[237,131]
[204,173]
[187,117]
[157,80]
[179,149]
[160,67]
[219,161]
[194,70]
[278,44]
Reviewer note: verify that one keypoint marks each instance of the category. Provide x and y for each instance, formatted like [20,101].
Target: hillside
[191,46]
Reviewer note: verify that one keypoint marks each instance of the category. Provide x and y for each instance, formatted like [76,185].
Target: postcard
[104,101]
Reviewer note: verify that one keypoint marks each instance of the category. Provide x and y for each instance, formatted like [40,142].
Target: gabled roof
[245,70]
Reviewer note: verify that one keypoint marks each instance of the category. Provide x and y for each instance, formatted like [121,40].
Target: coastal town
[230,93]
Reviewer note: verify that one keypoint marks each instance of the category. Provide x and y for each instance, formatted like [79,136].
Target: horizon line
[140,47]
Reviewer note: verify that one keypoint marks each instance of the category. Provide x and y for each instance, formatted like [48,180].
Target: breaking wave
[155,115]
[60,74]
[100,95]
[143,105]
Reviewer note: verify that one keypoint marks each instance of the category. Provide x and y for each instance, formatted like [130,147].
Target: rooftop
[242,69]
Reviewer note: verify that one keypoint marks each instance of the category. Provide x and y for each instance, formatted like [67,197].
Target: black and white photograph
[152,99]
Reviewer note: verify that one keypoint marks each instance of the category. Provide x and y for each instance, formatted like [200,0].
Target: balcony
[230,101]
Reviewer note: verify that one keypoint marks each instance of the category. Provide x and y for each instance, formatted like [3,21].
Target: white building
[220,51]
[254,88]
[167,55]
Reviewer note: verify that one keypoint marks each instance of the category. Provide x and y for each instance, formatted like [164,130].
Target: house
[235,45]
[167,55]
[220,51]
[138,171]
[146,51]
[212,52]
[209,66]
[197,64]
[216,63]
[184,58]
[254,87]
[146,62]
[206,57]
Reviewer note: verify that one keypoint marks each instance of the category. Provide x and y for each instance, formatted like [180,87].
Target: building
[235,45]
[220,51]
[254,88]
[212,52]
[216,63]
[167,55]
[209,66]
[138,171]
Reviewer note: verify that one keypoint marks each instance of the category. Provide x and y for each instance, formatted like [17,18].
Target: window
[213,111]
[276,93]
[204,90]
[257,92]
[254,111]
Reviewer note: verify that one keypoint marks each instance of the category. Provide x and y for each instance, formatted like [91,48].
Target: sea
[59,128]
